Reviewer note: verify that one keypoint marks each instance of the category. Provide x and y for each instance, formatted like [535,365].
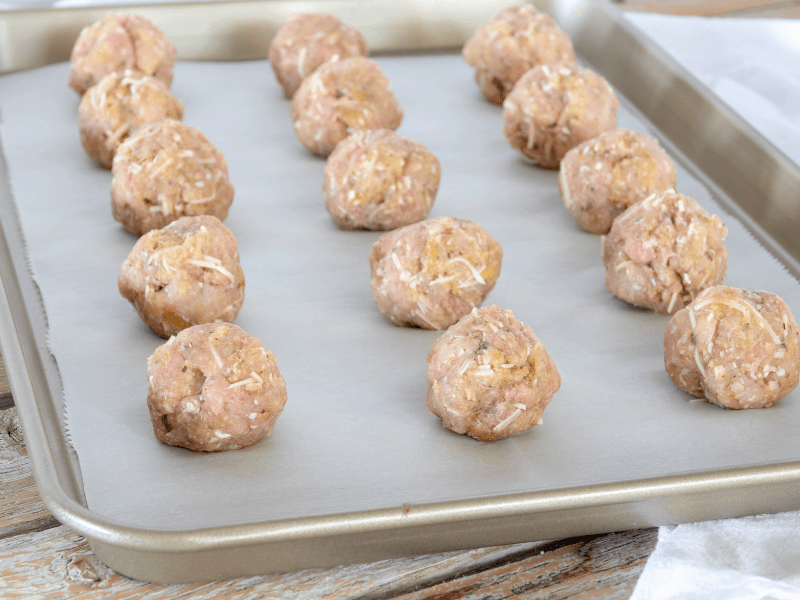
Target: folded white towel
[741,559]
[753,65]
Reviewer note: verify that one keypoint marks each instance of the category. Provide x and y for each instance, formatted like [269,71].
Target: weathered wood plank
[19,500]
[6,400]
[40,558]
[605,566]
[705,7]
[59,563]
[788,11]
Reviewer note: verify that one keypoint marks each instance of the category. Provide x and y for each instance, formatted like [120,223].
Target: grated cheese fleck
[672,301]
[699,364]
[475,273]
[240,383]
[215,355]
[204,199]
[422,316]
[746,309]
[209,265]
[623,264]
[507,421]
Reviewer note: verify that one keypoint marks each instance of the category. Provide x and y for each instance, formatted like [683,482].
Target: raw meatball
[166,171]
[735,348]
[663,251]
[555,107]
[306,41]
[430,274]
[117,106]
[184,274]
[118,42]
[516,40]
[380,180]
[340,96]
[213,388]
[489,376]
[600,178]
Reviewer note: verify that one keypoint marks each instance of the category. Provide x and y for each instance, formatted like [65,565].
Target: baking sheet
[355,434]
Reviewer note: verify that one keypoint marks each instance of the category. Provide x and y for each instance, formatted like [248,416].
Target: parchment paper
[356,433]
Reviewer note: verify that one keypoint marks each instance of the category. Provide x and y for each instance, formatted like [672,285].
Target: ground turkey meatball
[341,96]
[735,348]
[555,107]
[489,376]
[166,171]
[184,274]
[516,40]
[118,42]
[432,273]
[213,388]
[380,180]
[600,178]
[306,41]
[117,106]
[663,251]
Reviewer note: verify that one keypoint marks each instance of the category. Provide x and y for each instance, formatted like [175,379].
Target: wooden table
[39,558]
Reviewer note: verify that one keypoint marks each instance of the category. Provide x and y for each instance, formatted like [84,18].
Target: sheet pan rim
[68,510]
[508,506]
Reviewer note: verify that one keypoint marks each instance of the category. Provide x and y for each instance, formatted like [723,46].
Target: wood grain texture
[6,400]
[41,559]
[749,8]
[19,501]
[788,11]
[58,563]
[606,566]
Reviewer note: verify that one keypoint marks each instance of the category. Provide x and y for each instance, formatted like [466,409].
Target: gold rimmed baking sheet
[357,469]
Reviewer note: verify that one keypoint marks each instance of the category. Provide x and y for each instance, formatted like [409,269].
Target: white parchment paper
[356,433]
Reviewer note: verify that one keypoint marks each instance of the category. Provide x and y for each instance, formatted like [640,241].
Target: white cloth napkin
[754,66]
[741,559]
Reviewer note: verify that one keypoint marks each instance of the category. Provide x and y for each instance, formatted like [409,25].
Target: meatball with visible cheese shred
[306,41]
[600,178]
[516,40]
[117,106]
[118,42]
[184,274]
[380,180]
[555,107]
[213,388]
[735,348]
[165,171]
[341,97]
[663,251]
[489,376]
[432,273]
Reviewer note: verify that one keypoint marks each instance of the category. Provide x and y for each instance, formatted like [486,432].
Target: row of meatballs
[736,348]
[489,376]
[212,386]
